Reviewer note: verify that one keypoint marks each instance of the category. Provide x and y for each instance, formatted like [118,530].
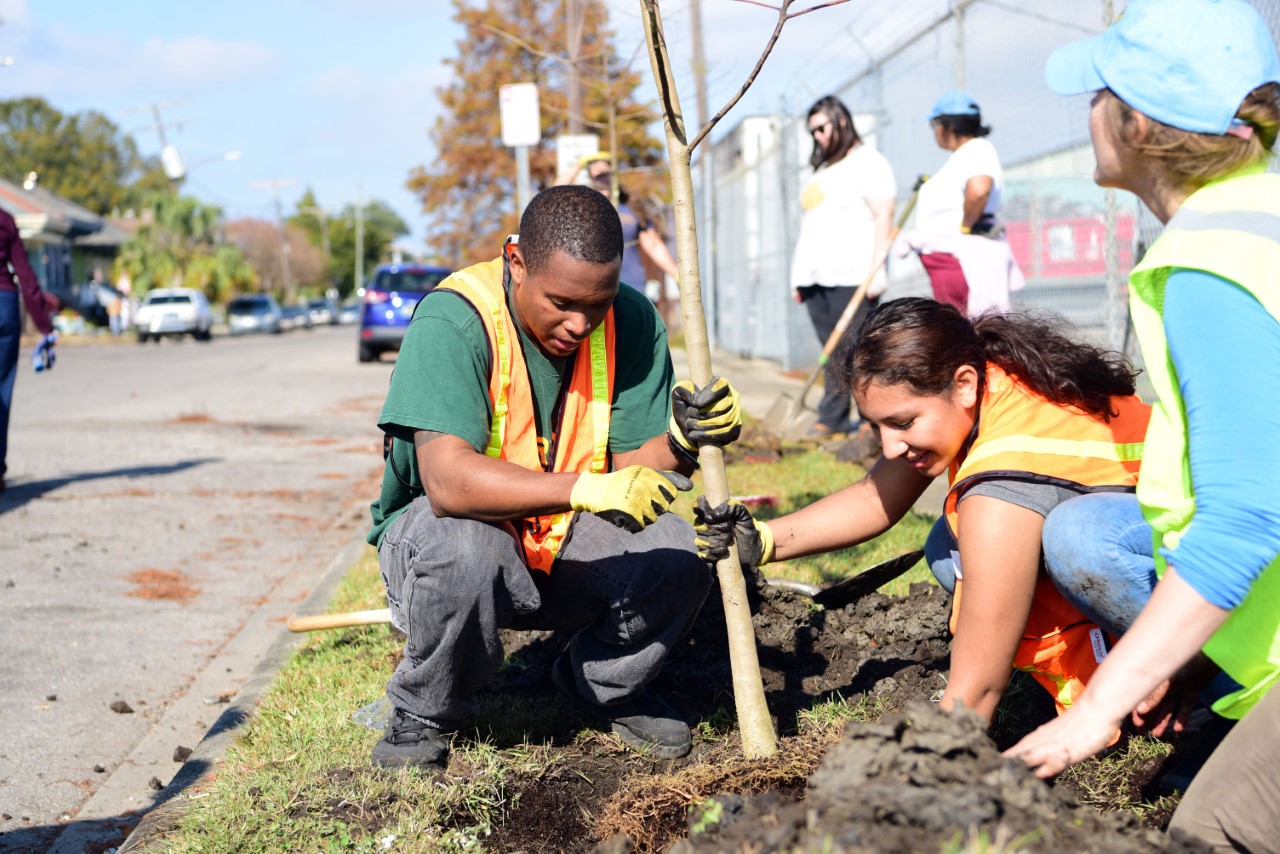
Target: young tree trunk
[758,737]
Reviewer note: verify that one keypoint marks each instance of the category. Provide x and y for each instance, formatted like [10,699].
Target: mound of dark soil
[917,781]
[911,781]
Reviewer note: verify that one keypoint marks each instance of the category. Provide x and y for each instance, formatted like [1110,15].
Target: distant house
[50,226]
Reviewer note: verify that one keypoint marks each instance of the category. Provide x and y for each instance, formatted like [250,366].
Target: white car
[173,311]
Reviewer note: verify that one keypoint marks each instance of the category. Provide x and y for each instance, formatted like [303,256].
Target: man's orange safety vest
[1022,436]
[580,441]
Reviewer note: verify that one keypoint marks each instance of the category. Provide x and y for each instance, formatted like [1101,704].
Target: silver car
[254,313]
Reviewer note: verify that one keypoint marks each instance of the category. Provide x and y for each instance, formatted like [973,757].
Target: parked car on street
[254,313]
[323,310]
[349,312]
[389,299]
[174,312]
[295,317]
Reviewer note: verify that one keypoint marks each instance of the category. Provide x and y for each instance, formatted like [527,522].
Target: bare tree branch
[816,8]
[784,15]
[524,45]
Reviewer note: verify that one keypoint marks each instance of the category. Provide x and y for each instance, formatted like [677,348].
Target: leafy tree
[83,157]
[259,242]
[469,192]
[382,225]
[180,243]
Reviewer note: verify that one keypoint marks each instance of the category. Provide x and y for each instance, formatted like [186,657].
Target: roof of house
[39,212]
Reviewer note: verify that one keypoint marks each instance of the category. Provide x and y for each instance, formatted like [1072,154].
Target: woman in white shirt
[960,243]
[847,213]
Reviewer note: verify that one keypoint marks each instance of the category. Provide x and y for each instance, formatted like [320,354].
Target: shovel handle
[316,622]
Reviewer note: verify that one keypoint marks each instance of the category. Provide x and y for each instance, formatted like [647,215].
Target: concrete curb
[202,764]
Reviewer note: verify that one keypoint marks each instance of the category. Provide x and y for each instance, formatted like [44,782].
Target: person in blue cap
[1185,111]
[960,242]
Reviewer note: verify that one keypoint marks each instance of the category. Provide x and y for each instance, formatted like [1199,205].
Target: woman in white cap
[960,242]
[1185,112]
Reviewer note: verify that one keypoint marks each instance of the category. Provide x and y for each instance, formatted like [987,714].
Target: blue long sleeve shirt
[1226,349]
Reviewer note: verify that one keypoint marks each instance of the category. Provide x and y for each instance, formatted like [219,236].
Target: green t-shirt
[441,383]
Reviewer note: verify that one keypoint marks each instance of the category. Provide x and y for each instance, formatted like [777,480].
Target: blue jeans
[1097,550]
[453,583]
[10,329]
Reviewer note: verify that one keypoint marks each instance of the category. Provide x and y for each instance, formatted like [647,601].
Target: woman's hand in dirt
[1073,736]
[1172,703]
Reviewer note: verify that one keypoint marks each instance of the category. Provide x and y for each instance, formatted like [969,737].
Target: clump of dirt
[167,585]
[916,781]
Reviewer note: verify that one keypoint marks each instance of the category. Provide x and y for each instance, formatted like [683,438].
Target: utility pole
[359,237]
[169,156]
[274,185]
[575,15]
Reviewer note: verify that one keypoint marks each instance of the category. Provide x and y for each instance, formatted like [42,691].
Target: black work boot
[647,722]
[410,743]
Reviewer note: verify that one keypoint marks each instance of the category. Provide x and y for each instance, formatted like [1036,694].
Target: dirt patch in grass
[167,585]
[911,778]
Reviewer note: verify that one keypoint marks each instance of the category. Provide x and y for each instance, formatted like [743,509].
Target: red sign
[1073,247]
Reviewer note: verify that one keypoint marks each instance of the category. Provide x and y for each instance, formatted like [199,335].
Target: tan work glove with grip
[630,498]
[711,415]
[716,527]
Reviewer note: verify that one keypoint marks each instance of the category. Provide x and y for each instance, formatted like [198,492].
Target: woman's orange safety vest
[581,439]
[1022,436]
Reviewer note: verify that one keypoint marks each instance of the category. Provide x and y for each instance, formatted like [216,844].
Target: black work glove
[716,527]
[711,415]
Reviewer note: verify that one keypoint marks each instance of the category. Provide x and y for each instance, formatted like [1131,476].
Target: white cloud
[58,62]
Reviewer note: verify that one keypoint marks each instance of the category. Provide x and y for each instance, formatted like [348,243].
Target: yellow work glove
[711,415]
[716,527]
[631,498]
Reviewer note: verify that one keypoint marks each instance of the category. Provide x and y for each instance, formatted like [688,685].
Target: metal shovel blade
[788,418]
[852,589]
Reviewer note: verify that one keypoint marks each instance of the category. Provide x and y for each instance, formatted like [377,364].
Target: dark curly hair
[573,219]
[920,343]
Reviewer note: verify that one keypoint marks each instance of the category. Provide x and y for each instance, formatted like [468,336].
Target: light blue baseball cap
[954,103]
[1186,63]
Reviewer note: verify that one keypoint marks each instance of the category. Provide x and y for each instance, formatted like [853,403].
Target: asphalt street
[161,499]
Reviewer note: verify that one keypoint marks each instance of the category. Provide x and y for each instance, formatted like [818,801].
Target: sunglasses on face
[822,128]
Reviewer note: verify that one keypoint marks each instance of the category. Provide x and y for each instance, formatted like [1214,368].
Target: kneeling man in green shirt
[537,441]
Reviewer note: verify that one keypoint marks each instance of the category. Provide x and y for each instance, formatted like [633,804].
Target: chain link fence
[1074,241]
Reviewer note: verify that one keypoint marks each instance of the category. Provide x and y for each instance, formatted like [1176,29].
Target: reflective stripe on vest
[1021,435]
[582,442]
[1231,229]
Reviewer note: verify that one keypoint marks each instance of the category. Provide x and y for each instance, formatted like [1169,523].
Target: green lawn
[299,778]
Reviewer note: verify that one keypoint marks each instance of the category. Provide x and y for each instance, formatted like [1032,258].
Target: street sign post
[521,128]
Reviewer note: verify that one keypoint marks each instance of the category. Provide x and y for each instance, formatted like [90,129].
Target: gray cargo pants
[453,583]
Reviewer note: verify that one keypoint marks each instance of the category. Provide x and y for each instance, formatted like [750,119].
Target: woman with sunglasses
[846,216]
[960,243]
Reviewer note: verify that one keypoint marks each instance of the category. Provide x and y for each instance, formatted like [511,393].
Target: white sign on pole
[572,147]
[518,110]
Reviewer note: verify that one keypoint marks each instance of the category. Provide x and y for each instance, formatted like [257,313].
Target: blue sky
[339,94]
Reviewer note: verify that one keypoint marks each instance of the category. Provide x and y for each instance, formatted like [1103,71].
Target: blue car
[388,301]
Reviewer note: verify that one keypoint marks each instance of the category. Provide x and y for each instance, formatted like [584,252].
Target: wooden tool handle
[338,621]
